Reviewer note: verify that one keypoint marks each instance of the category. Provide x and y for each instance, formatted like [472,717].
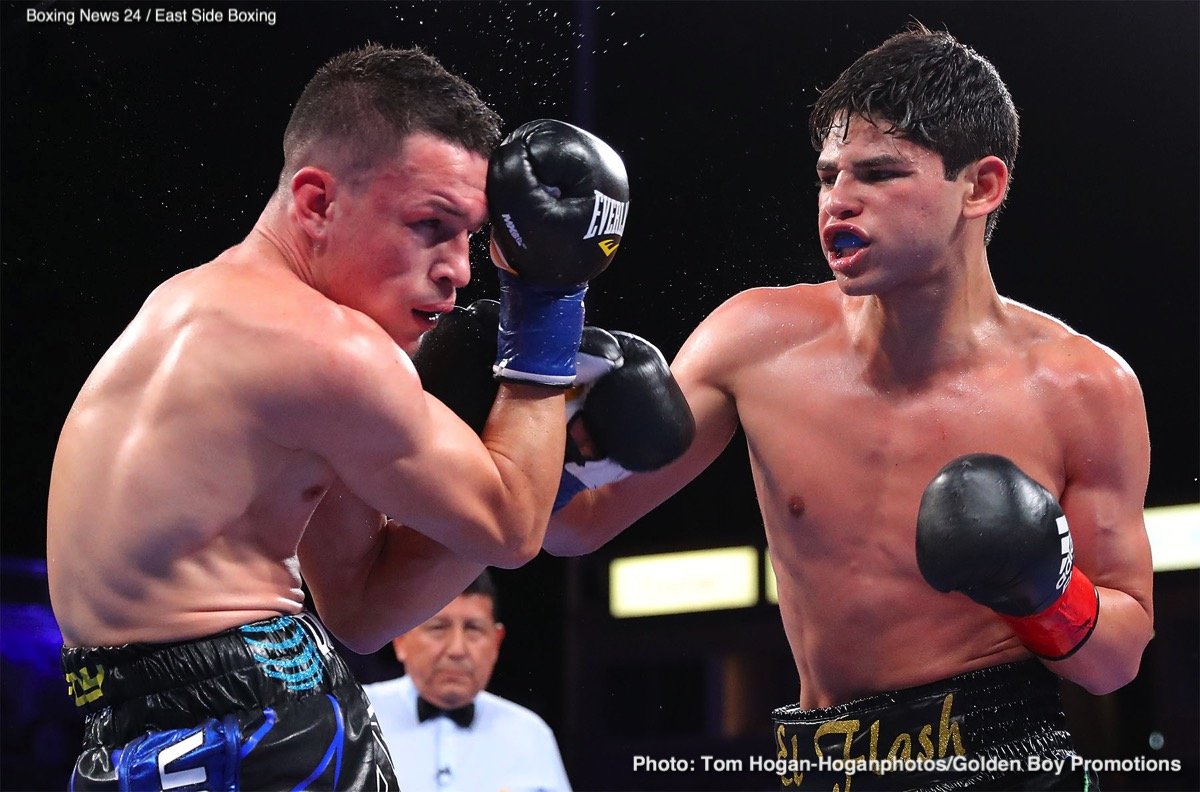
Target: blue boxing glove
[558,197]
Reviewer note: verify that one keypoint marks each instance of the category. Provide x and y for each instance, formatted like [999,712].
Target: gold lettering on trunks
[948,731]
[85,687]
[918,743]
[926,744]
[782,753]
[902,748]
[848,728]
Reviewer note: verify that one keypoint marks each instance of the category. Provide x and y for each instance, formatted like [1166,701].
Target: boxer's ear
[988,180]
[313,191]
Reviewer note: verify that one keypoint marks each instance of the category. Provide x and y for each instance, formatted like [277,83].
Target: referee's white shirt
[507,747]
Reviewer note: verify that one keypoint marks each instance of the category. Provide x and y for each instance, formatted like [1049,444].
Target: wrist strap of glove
[539,332]
[587,475]
[568,488]
[1057,632]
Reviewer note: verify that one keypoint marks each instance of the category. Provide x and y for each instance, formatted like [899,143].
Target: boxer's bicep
[418,463]
[1107,459]
[357,402]
[1107,466]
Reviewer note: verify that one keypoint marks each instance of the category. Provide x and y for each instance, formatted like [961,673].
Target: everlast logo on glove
[1068,553]
[558,198]
[608,217]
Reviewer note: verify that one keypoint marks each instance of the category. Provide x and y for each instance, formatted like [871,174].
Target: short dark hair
[930,89]
[484,586]
[369,99]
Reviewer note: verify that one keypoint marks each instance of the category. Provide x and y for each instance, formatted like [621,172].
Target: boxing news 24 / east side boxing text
[151,15]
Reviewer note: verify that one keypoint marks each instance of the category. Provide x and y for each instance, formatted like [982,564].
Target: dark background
[131,151]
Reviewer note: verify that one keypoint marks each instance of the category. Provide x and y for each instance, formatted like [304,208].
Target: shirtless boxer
[260,415]
[857,394]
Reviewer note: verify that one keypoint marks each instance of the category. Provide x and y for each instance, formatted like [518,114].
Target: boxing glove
[455,358]
[986,529]
[626,414]
[558,198]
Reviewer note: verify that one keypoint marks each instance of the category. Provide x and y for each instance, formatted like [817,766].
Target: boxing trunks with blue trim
[999,728]
[269,705]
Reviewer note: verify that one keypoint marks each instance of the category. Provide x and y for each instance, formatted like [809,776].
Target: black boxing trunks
[268,705]
[999,728]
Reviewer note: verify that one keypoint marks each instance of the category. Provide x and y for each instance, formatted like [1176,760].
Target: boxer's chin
[405,338]
[410,346]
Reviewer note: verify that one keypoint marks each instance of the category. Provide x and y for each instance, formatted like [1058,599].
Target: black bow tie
[463,715]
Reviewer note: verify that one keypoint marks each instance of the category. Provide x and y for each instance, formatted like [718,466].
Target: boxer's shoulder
[770,319]
[1063,362]
[270,319]
[751,330]
[802,304]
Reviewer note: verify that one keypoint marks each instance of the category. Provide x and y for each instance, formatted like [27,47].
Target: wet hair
[926,87]
[484,586]
[364,102]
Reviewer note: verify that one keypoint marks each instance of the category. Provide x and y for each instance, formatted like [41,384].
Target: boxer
[930,609]
[260,415]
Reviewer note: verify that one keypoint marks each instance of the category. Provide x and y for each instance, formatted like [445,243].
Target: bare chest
[830,451]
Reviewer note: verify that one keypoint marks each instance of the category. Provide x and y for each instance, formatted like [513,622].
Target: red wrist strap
[1058,631]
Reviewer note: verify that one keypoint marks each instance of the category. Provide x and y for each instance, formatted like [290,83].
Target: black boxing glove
[626,414]
[988,530]
[558,197]
[455,358]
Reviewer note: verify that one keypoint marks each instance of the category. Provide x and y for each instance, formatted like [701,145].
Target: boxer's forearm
[1110,657]
[574,532]
[404,580]
[371,578]
[595,517]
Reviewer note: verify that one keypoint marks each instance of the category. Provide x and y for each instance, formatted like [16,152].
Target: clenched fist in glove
[558,197]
